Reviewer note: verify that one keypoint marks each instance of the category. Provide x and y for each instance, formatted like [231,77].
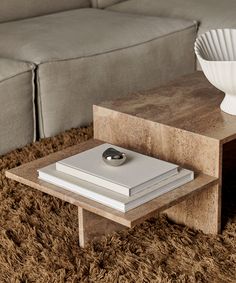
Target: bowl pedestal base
[228,105]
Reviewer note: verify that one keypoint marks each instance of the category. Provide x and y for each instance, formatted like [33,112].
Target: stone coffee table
[96,219]
[181,123]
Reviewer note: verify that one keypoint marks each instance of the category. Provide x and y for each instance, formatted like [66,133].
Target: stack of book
[140,179]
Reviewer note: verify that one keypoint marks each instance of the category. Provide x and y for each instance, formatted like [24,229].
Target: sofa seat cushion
[86,56]
[17,104]
[211,14]
[80,33]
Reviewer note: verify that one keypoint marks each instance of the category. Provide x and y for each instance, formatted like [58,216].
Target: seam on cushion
[94,4]
[13,76]
[39,106]
[33,103]
[118,49]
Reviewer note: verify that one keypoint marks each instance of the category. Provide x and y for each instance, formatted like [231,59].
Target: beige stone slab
[189,150]
[93,226]
[203,211]
[181,123]
[27,174]
[190,103]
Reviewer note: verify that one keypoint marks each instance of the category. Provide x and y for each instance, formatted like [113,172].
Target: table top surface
[190,103]
[27,174]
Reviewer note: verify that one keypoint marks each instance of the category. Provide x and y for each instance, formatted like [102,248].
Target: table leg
[202,211]
[92,226]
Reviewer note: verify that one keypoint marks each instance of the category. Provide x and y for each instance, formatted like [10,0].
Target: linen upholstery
[11,10]
[211,14]
[104,3]
[102,55]
[80,33]
[17,105]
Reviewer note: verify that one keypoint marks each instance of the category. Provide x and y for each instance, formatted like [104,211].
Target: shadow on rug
[39,237]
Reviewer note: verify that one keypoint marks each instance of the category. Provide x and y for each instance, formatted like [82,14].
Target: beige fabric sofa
[84,55]
[17,116]
[79,54]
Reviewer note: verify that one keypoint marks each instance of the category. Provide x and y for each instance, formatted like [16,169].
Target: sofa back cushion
[104,3]
[210,14]
[11,10]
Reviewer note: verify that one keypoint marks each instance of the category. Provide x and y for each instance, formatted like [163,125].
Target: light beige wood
[190,150]
[187,149]
[27,174]
[92,226]
[190,103]
[181,123]
[201,212]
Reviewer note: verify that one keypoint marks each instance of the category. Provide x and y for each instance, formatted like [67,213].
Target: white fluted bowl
[216,52]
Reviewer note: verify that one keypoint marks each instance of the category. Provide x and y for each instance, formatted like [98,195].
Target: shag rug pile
[39,237]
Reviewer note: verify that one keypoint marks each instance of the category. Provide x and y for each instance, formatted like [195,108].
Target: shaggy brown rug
[39,237]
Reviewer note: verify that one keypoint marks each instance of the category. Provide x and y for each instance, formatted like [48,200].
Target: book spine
[153,181]
[82,191]
[161,191]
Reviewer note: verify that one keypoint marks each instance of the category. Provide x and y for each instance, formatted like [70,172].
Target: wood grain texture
[190,150]
[180,123]
[202,211]
[190,103]
[93,226]
[27,174]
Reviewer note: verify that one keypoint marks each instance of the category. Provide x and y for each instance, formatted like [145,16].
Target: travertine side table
[180,122]
[94,218]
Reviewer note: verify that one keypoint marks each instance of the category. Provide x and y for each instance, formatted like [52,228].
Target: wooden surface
[190,150]
[187,149]
[27,174]
[181,123]
[92,226]
[190,103]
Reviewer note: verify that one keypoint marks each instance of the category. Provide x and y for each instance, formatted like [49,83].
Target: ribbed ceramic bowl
[216,52]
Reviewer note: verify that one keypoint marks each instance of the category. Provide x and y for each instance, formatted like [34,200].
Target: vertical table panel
[190,150]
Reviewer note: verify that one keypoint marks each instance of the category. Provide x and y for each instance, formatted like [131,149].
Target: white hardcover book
[108,197]
[138,172]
